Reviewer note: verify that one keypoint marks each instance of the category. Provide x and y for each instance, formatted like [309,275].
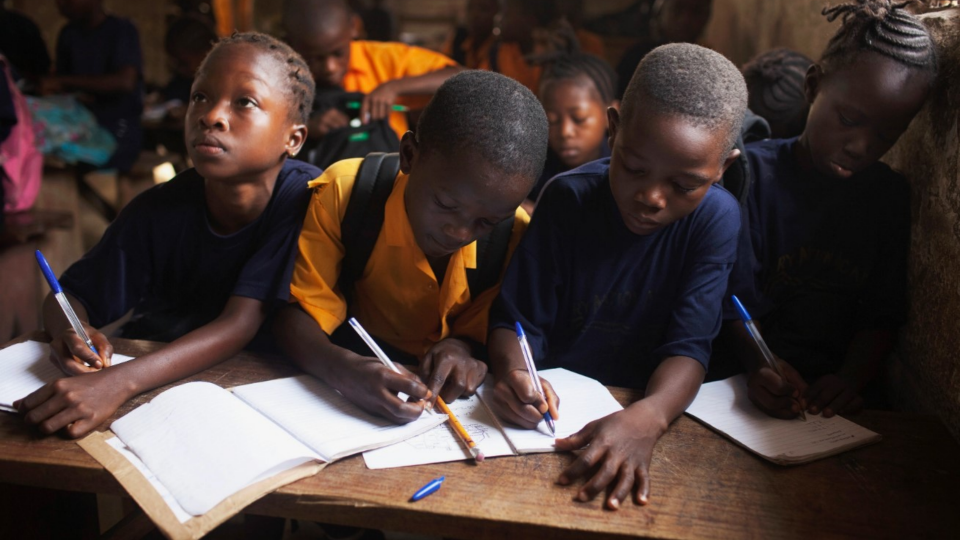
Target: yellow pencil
[461,432]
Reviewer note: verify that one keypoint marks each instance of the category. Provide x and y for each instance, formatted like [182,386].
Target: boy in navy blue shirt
[98,55]
[621,273]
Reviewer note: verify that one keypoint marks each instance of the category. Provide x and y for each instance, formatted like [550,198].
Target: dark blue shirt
[553,166]
[162,259]
[826,257]
[597,299]
[112,45]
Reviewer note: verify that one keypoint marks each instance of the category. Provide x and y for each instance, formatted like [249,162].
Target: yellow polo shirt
[373,63]
[397,299]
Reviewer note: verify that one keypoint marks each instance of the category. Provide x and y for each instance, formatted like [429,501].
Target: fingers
[642,493]
[621,490]
[365,108]
[771,394]
[104,347]
[553,400]
[438,378]
[577,440]
[833,395]
[517,400]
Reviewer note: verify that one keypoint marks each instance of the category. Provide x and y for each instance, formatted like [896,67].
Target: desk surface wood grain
[702,485]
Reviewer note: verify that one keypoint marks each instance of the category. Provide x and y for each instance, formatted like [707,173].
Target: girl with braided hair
[829,224]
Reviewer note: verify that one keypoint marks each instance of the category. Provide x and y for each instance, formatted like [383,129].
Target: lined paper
[26,367]
[324,420]
[725,407]
[582,400]
[168,498]
[441,444]
[203,444]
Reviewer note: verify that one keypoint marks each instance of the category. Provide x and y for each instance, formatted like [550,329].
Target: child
[479,147]
[187,43]
[200,260]
[775,83]
[323,32]
[621,274]
[576,90]
[99,56]
[518,21]
[829,224]
[469,45]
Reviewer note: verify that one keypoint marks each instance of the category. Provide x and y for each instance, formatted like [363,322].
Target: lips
[209,146]
[643,223]
[841,170]
[444,247]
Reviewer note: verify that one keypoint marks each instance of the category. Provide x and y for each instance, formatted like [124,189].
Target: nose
[652,196]
[567,128]
[214,117]
[857,147]
[330,68]
[459,233]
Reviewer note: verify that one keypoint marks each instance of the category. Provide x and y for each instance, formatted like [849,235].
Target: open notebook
[725,407]
[26,367]
[582,400]
[203,443]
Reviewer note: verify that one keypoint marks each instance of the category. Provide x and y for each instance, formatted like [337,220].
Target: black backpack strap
[491,254]
[363,218]
[494,55]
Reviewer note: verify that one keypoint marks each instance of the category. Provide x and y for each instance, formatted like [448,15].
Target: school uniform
[597,299]
[112,45]
[824,257]
[373,63]
[553,166]
[397,298]
[162,259]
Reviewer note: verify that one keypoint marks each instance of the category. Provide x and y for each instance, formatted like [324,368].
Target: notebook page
[582,400]
[26,367]
[178,511]
[724,406]
[441,444]
[324,420]
[203,444]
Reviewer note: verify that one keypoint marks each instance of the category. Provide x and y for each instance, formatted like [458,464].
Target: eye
[846,121]
[197,97]
[436,201]
[487,224]
[683,189]
[579,120]
[246,103]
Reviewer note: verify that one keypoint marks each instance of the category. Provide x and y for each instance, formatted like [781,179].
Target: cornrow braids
[775,86]
[564,66]
[883,27]
[299,82]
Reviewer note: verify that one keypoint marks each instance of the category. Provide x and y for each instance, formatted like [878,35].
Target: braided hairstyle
[567,62]
[299,82]
[775,86]
[883,27]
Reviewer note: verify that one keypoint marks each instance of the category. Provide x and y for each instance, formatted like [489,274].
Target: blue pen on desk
[758,339]
[431,487]
[532,370]
[64,303]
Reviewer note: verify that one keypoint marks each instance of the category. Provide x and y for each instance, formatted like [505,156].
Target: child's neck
[232,206]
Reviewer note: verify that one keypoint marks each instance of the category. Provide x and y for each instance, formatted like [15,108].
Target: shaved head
[319,18]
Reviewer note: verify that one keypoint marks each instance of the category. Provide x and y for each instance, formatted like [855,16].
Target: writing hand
[517,401]
[450,371]
[73,357]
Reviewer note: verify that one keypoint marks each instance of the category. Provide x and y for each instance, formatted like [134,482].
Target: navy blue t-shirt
[553,166]
[826,257]
[161,258]
[112,45]
[597,299]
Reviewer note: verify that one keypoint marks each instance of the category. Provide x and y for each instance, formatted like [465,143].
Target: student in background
[671,21]
[824,270]
[201,260]
[23,46]
[98,55]
[576,90]
[621,273]
[519,20]
[458,182]
[322,31]
[469,45]
[572,11]
[775,82]
[187,43]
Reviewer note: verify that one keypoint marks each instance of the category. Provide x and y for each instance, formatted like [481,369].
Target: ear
[409,149]
[812,82]
[613,124]
[731,157]
[615,104]
[298,136]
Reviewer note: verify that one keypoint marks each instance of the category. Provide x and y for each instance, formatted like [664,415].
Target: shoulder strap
[491,254]
[363,218]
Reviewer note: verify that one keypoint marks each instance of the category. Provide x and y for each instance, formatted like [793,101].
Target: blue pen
[532,370]
[428,489]
[64,303]
[758,339]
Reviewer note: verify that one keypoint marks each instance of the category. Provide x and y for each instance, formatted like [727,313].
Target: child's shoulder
[577,187]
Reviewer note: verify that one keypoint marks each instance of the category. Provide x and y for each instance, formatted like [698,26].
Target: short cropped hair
[693,82]
[775,82]
[486,113]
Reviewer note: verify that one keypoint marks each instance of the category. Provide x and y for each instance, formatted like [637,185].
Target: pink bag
[19,156]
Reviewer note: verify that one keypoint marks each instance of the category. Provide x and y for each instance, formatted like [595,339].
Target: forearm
[865,356]
[304,341]
[55,321]
[424,84]
[505,354]
[670,390]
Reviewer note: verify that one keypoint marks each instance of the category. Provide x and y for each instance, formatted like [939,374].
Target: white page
[324,420]
[441,444]
[178,511]
[582,400]
[724,406]
[204,444]
[26,367]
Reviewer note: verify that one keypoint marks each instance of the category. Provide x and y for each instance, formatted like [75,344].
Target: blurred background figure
[775,83]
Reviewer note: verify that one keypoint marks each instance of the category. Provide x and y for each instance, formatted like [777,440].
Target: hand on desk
[616,451]
[374,387]
[517,401]
[76,404]
[776,396]
[450,371]
[72,355]
[833,394]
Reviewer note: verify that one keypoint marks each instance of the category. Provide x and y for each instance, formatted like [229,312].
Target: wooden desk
[702,485]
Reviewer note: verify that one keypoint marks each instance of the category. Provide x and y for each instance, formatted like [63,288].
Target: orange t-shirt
[510,62]
[373,63]
[472,60]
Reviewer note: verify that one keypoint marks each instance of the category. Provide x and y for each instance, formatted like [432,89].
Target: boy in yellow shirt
[480,145]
